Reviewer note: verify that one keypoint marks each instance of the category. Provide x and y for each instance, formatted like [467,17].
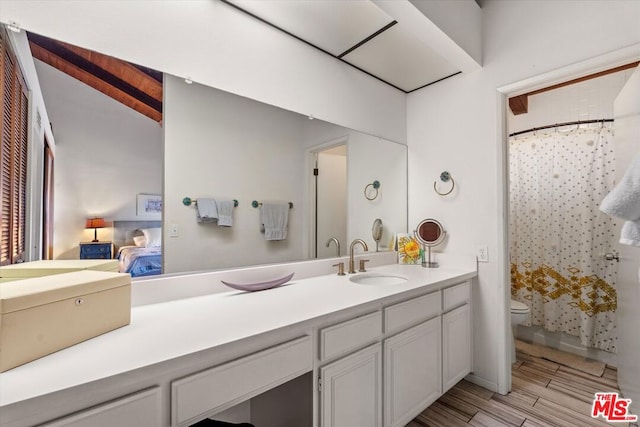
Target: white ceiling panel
[399,58]
[332,25]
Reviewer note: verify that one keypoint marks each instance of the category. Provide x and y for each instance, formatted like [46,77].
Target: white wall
[370,159]
[454,126]
[106,154]
[221,145]
[219,46]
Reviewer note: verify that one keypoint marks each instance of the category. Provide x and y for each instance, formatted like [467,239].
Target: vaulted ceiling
[137,87]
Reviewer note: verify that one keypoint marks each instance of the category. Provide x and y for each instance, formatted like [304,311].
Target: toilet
[519,313]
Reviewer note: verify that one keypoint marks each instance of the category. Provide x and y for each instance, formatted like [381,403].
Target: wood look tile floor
[543,394]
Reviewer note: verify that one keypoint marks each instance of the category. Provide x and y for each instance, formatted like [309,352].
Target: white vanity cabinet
[456,335]
[351,390]
[351,386]
[423,349]
[412,358]
[379,354]
[412,372]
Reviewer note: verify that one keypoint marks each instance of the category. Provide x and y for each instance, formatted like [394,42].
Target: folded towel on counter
[274,217]
[225,212]
[630,233]
[624,200]
[206,210]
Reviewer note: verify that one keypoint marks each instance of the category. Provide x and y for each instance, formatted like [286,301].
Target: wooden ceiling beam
[89,79]
[122,70]
[520,104]
[118,79]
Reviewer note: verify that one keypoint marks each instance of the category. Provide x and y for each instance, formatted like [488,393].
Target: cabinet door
[456,343]
[351,393]
[412,372]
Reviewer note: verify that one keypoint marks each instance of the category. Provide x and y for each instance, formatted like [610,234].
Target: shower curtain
[558,236]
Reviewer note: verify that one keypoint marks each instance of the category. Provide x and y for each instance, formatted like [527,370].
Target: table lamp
[95,223]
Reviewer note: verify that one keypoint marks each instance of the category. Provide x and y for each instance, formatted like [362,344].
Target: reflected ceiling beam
[520,104]
[134,86]
[452,29]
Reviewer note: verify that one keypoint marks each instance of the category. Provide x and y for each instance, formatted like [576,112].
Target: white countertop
[168,330]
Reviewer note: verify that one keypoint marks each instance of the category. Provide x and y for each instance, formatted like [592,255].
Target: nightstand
[96,250]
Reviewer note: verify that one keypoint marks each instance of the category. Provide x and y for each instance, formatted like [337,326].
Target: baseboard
[482,382]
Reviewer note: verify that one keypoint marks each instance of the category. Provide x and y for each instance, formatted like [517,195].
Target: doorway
[47,202]
[597,64]
[558,237]
[329,205]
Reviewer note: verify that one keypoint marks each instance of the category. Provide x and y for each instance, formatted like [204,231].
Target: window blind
[13,157]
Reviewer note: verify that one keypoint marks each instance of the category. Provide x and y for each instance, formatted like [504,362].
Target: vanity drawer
[213,390]
[140,409]
[456,295]
[350,335]
[409,313]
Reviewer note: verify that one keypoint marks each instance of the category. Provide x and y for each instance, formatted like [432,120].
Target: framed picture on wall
[149,206]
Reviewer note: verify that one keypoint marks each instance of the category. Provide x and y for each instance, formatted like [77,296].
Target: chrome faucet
[351,262]
[333,239]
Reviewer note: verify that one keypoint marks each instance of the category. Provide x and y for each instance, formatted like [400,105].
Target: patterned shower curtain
[559,236]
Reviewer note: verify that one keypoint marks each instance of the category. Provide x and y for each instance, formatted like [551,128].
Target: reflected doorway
[330,204]
[47,203]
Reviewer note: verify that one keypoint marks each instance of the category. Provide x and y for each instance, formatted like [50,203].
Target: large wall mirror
[212,143]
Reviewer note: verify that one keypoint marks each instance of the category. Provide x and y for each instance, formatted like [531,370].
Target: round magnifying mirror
[376,231]
[430,233]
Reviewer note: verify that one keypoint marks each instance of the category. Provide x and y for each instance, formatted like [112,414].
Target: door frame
[310,219]
[48,181]
[570,72]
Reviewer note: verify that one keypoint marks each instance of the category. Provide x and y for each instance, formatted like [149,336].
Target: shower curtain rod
[577,122]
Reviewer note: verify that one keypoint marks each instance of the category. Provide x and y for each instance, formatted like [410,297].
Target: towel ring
[375,185]
[444,177]
[187,201]
[255,204]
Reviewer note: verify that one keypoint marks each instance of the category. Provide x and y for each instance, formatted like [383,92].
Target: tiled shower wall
[588,100]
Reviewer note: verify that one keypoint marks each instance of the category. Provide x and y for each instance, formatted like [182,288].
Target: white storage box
[27,270]
[39,316]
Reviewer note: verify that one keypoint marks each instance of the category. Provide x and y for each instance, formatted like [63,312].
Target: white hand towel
[274,216]
[206,210]
[630,233]
[624,200]
[225,212]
